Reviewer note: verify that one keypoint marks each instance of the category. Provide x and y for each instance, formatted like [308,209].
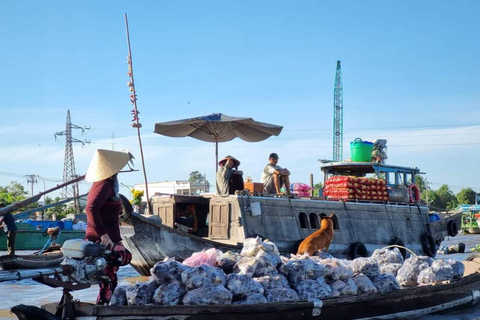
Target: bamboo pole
[136,121]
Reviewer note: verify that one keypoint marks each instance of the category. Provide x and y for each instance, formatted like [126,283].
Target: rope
[402,247]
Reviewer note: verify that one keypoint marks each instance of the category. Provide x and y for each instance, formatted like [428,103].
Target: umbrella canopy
[217,128]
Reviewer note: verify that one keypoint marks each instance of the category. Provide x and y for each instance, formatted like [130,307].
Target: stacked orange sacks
[360,188]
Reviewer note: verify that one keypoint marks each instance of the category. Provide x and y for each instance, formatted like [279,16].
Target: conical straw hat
[106,163]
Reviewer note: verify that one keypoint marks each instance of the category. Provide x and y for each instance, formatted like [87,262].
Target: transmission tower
[338,115]
[69,162]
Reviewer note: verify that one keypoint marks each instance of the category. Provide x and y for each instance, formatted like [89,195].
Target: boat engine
[86,258]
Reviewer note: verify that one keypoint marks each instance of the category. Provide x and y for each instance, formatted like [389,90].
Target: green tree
[196,176]
[443,199]
[59,210]
[466,196]
[316,189]
[12,193]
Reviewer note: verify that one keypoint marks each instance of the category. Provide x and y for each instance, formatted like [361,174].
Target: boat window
[314,223]
[336,226]
[303,220]
[409,224]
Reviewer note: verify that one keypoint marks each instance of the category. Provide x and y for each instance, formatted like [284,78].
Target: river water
[32,293]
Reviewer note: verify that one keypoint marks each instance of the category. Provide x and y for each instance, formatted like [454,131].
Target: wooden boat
[31,238]
[225,222]
[401,304]
[53,257]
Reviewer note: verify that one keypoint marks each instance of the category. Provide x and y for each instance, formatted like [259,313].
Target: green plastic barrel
[361,150]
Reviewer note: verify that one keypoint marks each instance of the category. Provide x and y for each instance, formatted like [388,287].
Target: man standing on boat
[228,179]
[8,224]
[274,176]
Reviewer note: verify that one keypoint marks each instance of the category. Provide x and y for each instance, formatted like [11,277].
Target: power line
[296,147]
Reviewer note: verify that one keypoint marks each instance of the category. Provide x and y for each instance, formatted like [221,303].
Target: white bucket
[255,208]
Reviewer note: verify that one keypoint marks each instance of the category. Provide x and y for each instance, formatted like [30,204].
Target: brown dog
[320,239]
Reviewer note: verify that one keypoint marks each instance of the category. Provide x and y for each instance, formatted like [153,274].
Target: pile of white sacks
[259,274]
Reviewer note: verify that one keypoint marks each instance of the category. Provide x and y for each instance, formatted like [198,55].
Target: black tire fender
[357,250]
[452,228]
[127,208]
[398,242]
[428,245]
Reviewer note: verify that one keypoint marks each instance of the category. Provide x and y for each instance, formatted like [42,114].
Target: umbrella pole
[216,155]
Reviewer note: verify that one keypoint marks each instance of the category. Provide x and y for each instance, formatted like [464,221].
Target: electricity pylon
[69,161]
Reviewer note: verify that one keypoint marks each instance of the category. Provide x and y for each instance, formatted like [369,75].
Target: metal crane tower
[338,115]
[69,162]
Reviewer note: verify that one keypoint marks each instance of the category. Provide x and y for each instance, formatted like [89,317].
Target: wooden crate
[254,187]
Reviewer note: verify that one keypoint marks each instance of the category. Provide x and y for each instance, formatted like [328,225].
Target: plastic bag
[313,289]
[367,266]
[170,294]
[337,270]
[119,296]
[208,258]
[390,268]
[141,293]
[253,298]
[167,271]
[227,260]
[299,270]
[443,270]
[208,295]
[426,277]
[386,282]
[245,265]
[241,286]
[341,288]
[458,268]
[364,284]
[203,276]
[251,246]
[383,256]
[267,263]
[280,295]
[323,255]
[273,282]
[408,274]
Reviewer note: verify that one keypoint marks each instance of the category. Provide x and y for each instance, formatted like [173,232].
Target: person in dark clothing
[103,210]
[8,224]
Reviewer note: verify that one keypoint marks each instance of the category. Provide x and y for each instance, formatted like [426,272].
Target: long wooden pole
[136,121]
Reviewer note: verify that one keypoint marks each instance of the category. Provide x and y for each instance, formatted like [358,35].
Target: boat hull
[401,304]
[32,261]
[36,239]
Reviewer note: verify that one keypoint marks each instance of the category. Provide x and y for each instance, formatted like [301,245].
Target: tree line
[15,192]
[444,199]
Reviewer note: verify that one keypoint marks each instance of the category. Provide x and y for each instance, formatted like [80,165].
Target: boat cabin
[394,175]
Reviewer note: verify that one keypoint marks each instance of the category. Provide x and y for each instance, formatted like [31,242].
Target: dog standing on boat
[320,239]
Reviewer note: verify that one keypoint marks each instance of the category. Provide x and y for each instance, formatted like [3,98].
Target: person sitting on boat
[8,224]
[274,176]
[229,179]
[187,218]
[103,210]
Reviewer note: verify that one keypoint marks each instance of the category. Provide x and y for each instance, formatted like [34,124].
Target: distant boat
[53,257]
[32,235]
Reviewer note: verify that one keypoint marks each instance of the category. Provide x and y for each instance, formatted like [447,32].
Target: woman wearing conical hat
[103,210]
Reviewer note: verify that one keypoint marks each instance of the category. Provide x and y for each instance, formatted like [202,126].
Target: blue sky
[410,70]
